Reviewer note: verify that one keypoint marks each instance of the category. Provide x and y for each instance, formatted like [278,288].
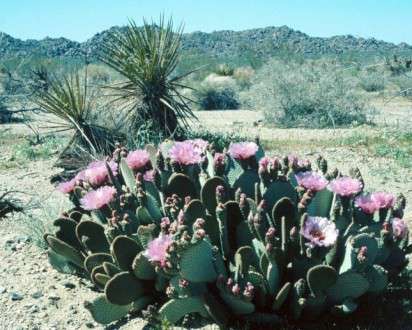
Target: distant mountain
[262,41]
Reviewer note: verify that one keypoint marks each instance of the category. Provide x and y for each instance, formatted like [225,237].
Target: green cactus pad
[233,170]
[212,229]
[152,150]
[96,259]
[75,214]
[196,263]
[219,312]
[143,216]
[244,257]
[320,278]
[233,220]
[351,261]
[153,208]
[146,234]
[60,263]
[281,296]
[181,185]
[194,211]
[142,268]
[284,207]
[67,232]
[321,204]
[104,312]
[175,309]
[377,277]
[246,182]
[273,277]
[347,307]
[314,306]
[110,268]
[97,270]
[238,305]
[128,176]
[257,280]
[92,235]
[123,289]
[67,251]
[142,303]
[101,278]
[208,193]
[349,285]
[124,250]
[297,298]
[278,190]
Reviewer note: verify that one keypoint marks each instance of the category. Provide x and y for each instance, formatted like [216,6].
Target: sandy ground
[34,296]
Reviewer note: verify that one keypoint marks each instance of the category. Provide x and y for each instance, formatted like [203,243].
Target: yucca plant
[68,98]
[147,57]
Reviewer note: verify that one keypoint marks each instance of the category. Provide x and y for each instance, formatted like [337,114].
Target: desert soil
[35,296]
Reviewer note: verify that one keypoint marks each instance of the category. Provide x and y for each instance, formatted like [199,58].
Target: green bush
[217,98]
[372,81]
[313,94]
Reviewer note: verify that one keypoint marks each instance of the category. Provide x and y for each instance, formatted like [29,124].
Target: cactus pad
[124,250]
[123,289]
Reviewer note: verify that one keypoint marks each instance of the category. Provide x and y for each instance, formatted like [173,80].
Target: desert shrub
[146,58]
[224,70]
[217,98]
[313,94]
[70,98]
[372,81]
[243,76]
[403,85]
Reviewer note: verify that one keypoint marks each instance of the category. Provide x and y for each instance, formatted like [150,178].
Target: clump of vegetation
[146,58]
[211,97]
[69,98]
[372,81]
[309,94]
[9,204]
[232,237]
[224,70]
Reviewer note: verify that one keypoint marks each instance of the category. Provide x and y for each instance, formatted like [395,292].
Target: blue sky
[81,19]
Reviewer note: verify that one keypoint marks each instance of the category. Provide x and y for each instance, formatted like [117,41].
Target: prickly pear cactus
[233,236]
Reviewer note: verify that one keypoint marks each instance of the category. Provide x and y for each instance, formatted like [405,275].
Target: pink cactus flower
[185,153]
[319,231]
[199,144]
[96,199]
[345,186]
[149,176]
[366,204]
[137,159]
[243,150]
[157,249]
[399,228]
[96,173]
[67,187]
[264,162]
[311,181]
[383,200]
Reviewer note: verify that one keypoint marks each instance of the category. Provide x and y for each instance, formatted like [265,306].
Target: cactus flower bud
[200,233]
[183,283]
[270,233]
[229,283]
[236,289]
[362,254]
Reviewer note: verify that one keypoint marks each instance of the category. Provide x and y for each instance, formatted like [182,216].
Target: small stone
[16,296]
[69,285]
[37,295]
[2,290]
[90,325]
[54,298]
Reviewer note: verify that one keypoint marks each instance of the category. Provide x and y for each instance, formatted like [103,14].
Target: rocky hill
[262,41]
